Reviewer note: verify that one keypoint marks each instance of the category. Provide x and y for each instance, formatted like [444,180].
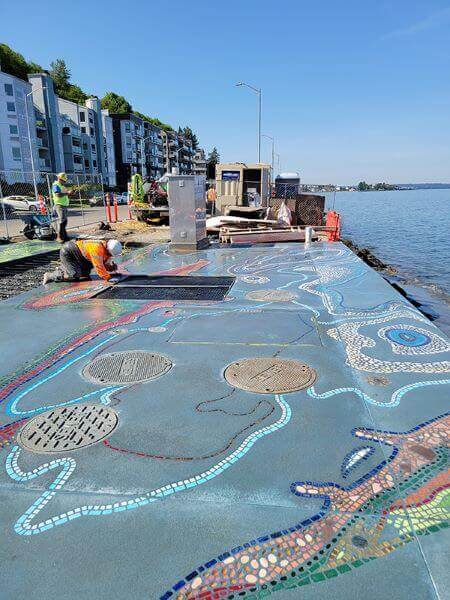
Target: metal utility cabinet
[187,212]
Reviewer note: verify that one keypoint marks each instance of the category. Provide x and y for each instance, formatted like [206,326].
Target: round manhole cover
[270,296]
[68,428]
[270,375]
[133,366]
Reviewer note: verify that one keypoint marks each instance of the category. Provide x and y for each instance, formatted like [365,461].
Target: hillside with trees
[15,64]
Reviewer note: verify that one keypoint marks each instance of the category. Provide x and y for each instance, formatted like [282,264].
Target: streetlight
[257,91]
[269,137]
[29,140]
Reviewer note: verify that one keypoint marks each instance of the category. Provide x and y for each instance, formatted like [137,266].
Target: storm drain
[130,366]
[169,287]
[68,428]
[270,375]
[270,296]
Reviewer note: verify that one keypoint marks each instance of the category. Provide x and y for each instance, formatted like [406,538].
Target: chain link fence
[27,196]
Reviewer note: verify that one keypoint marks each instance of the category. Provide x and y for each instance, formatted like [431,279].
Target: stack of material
[213,224]
[306,209]
[261,235]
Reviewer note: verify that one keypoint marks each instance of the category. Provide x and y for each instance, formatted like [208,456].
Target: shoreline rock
[386,270]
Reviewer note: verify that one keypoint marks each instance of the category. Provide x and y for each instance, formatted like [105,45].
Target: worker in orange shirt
[79,257]
[211,197]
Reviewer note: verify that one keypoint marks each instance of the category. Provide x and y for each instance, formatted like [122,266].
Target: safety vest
[58,188]
[137,190]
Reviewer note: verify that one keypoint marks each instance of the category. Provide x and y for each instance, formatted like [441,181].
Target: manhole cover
[68,428]
[131,366]
[270,375]
[270,296]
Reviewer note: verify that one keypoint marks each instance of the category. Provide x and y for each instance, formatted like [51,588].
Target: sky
[351,90]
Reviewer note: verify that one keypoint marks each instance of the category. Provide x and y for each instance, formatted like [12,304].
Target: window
[86,164]
[77,160]
[66,130]
[82,117]
[10,107]
[8,89]
[83,130]
[93,148]
[94,162]
[13,130]
[16,154]
[91,130]
[129,156]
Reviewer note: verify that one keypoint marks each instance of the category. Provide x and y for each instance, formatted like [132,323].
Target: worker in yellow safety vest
[60,197]
[137,190]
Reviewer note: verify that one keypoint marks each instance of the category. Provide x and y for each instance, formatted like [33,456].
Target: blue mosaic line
[395,398]
[23,524]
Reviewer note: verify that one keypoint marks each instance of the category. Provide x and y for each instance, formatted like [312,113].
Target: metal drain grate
[193,294]
[68,428]
[270,375]
[169,287]
[130,366]
[270,296]
[176,280]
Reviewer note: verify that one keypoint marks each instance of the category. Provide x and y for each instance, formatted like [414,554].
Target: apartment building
[81,139]
[185,155]
[200,165]
[48,123]
[141,147]
[128,132]
[15,104]
[154,150]
[87,136]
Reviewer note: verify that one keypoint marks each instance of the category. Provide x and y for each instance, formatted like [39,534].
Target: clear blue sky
[357,89]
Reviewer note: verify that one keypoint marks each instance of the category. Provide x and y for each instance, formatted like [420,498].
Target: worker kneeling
[79,257]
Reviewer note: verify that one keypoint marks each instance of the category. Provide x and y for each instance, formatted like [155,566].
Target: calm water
[409,230]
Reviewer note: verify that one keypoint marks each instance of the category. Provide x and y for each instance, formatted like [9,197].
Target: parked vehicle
[96,200]
[122,198]
[21,203]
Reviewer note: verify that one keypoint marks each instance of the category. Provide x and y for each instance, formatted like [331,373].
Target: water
[409,230]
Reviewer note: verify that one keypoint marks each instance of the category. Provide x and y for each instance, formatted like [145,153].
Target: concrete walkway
[200,488]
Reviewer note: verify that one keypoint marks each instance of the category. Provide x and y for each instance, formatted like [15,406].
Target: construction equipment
[38,226]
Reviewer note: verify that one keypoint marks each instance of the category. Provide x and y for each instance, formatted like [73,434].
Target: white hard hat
[114,247]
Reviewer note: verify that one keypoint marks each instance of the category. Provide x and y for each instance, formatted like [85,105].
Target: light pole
[29,142]
[257,91]
[269,137]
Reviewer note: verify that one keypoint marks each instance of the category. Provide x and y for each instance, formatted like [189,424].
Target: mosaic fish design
[356,524]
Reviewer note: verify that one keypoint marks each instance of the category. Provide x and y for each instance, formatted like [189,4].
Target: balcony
[77,150]
[44,165]
[78,167]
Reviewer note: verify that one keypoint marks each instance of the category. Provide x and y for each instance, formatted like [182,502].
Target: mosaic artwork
[344,533]
[26,249]
[390,353]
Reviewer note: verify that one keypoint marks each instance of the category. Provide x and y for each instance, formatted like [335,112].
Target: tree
[115,103]
[153,121]
[363,186]
[60,73]
[213,159]
[190,135]
[15,64]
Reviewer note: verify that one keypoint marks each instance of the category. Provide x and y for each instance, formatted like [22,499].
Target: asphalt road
[78,217]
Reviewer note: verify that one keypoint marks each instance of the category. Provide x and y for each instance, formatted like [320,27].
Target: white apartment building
[15,102]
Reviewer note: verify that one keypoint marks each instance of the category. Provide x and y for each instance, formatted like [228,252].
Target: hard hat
[114,247]
[62,176]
